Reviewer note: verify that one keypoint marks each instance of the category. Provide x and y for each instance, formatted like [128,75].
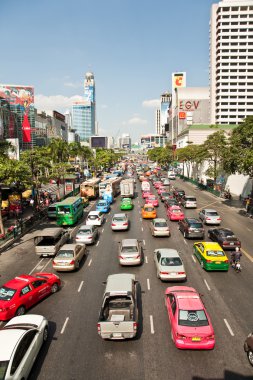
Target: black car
[170,202]
[248,347]
[225,237]
[191,227]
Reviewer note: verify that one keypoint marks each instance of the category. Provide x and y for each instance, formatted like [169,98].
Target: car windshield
[151,198]
[171,261]
[212,213]
[148,209]
[190,199]
[119,219]
[228,234]
[193,318]
[129,249]
[93,216]
[195,225]
[86,231]
[3,369]
[6,294]
[102,204]
[176,211]
[63,210]
[65,253]
[215,253]
[161,224]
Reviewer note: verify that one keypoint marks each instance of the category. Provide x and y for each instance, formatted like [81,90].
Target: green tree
[215,146]
[59,150]
[60,171]
[192,156]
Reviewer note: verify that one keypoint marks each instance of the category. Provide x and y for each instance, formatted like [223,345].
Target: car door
[27,296]
[196,251]
[41,289]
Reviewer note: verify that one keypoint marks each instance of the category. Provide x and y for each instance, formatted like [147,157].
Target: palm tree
[59,150]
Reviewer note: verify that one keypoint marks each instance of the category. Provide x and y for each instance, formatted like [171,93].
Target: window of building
[244,8]
[235,9]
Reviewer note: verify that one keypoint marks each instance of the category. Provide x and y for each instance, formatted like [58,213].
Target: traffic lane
[162,327]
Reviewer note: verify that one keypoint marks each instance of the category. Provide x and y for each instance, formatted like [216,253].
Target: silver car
[120,222]
[95,218]
[20,342]
[159,227]
[130,252]
[69,257]
[210,216]
[169,265]
[87,234]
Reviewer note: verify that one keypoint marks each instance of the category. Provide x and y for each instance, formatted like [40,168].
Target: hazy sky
[132,46]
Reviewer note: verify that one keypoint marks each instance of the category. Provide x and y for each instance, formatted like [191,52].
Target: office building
[158,121]
[125,141]
[231,61]
[153,141]
[164,112]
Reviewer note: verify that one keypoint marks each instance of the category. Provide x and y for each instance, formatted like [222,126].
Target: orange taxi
[148,211]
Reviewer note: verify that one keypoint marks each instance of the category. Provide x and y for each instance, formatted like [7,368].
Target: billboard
[98,142]
[178,80]
[164,113]
[89,93]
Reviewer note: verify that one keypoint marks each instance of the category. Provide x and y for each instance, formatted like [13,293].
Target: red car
[161,190]
[152,200]
[175,213]
[191,327]
[158,184]
[24,291]
[146,194]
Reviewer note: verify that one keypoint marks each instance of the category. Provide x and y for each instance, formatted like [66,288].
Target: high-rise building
[158,121]
[231,61]
[164,112]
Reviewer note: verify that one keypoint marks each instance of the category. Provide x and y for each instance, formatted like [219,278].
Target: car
[248,347]
[225,237]
[167,194]
[159,227]
[164,194]
[24,291]
[152,200]
[126,204]
[95,218]
[103,206]
[178,193]
[175,213]
[86,234]
[171,176]
[120,222]
[161,190]
[191,228]
[166,182]
[211,256]
[146,194]
[191,326]
[20,342]
[157,184]
[189,201]
[209,216]
[168,202]
[169,265]
[148,211]
[130,252]
[69,257]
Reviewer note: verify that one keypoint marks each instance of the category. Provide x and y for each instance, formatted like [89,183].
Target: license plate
[217,262]
[117,335]
[173,274]
[232,243]
[196,339]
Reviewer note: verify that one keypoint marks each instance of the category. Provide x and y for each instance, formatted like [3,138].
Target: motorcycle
[226,194]
[236,265]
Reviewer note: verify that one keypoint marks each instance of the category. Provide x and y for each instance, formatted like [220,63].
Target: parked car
[169,265]
[211,256]
[95,218]
[20,342]
[175,213]
[225,237]
[103,206]
[191,326]
[148,211]
[248,347]
[159,227]
[189,201]
[24,291]
[86,234]
[130,252]
[191,228]
[69,257]
[120,222]
[209,216]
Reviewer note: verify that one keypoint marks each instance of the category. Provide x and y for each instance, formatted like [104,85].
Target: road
[76,352]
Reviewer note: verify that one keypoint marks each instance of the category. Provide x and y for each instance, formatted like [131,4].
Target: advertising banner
[26,129]
[164,112]
[178,80]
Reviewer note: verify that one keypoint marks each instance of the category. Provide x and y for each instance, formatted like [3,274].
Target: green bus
[69,211]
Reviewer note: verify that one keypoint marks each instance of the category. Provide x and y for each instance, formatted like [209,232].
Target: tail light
[218,218]
[210,337]
[225,243]
[164,272]
[125,224]
[135,326]
[181,273]
[3,309]
[137,256]
[99,218]
[72,262]
[208,261]
[208,218]
[226,261]
[53,262]
[89,237]
[113,224]
[179,336]
[121,257]
[77,238]
[99,328]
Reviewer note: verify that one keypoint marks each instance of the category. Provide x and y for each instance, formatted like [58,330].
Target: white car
[20,342]
[95,218]
[130,252]
[120,222]
[159,227]
[210,216]
[169,265]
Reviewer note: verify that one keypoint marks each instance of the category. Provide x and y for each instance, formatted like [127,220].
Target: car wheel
[45,334]
[250,356]
[20,311]
[54,288]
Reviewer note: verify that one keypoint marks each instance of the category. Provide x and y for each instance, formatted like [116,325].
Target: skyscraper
[231,61]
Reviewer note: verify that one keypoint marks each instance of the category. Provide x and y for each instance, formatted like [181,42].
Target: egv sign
[188,105]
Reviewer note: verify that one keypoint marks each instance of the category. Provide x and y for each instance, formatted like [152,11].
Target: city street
[76,352]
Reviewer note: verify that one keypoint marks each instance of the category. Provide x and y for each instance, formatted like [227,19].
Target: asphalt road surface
[76,352]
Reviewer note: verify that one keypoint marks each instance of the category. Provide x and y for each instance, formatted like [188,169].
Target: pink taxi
[175,213]
[161,190]
[146,194]
[191,327]
[152,200]
[158,184]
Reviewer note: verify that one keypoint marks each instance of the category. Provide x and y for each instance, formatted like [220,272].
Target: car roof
[68,246]
[94,212]
[85,227]
[19,281]
[188,298]
[222,229]
[119,283]
[211,245]
[190,196]
[120,215]
[209,210]
[129,242]
[168,252]
[148,205]
[9,339]
[159,220]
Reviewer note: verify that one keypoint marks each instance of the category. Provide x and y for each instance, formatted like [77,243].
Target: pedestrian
[247,204]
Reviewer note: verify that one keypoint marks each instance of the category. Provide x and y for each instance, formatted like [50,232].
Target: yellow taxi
[211,256]
[148,211]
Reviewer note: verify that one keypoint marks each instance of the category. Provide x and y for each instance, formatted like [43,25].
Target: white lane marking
[148,283]
[80,286]
[249,229]
[140,219]
[97,243]
[185,242]
[229,328]
[208,287]
[64,326]
[49,261]
[142,229]
[144,242]
[90,263]
[146,259]
[151,324]
[193,258]
[36,266]
[102,229]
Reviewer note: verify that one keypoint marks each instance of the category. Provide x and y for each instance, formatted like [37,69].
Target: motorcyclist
[236,255]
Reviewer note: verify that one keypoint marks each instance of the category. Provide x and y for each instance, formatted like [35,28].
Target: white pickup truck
[118,318]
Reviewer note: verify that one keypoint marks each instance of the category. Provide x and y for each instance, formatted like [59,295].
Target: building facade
[231,61]
[158,121]
[153,141]
[125,141]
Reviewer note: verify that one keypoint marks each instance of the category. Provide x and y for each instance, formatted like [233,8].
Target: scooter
[236,265]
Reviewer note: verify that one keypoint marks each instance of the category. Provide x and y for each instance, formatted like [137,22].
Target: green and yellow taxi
[126,204]
[211,256]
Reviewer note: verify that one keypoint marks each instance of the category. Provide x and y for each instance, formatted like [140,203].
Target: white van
[145,186]
[48,241]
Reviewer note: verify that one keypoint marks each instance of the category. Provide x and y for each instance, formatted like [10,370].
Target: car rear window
[86,231]
[193,318]
[129,249]
[171,261]
[212,213]
[65,253]
[213,253]
[196,225]
[102,204]
[192,199]
[6,294]
[119,219]
[149,209]
[228,234]
[176,211]
[161,224]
